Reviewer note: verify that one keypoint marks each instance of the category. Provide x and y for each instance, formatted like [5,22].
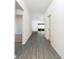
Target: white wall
[27,22]
[36,19]
[27,25]
[57,26]
[19,12]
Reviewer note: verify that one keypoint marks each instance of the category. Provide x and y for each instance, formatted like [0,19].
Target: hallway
[37,47]
[37,23]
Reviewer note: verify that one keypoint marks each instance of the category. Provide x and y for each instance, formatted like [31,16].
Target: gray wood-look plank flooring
[37,47]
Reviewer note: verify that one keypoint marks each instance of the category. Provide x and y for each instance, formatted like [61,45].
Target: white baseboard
[56,50]
[23,43]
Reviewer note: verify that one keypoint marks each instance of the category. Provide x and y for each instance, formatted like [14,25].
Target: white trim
[20,2]
[23,43]
[55,49]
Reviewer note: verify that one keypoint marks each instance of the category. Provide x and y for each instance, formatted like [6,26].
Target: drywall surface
[56,10]
[19,12]
[27,25]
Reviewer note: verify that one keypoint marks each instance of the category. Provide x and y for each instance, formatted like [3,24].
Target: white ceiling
[38,6]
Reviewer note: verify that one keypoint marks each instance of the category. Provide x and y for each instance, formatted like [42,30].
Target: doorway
[18,28]
[50,26]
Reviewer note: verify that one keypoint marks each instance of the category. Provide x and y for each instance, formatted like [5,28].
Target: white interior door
[51,27]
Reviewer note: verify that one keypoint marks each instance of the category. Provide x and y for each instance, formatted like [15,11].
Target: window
[41,27]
